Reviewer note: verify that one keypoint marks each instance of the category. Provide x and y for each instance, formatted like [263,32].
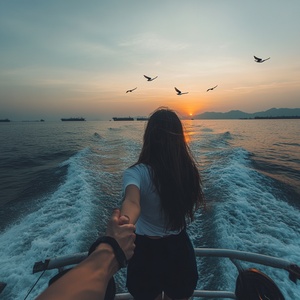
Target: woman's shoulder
[140,167]
[137,171]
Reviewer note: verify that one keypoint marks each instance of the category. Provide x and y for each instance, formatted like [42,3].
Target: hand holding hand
[119,228]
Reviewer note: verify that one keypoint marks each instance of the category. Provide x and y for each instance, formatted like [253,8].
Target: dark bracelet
[119,253]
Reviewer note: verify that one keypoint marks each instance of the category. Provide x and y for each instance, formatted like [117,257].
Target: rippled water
[59,182]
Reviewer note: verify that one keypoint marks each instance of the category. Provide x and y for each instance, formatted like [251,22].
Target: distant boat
[4,120]
[278,117]
[30,121]
[123,119]
[142,118]
[73,119]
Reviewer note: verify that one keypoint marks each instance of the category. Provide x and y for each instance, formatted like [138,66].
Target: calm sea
[60,180]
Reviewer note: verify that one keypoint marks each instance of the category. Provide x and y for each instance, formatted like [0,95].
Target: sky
[77,58]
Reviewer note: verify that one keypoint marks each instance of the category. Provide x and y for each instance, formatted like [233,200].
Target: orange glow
[187,137]
[190,109]
[191,105]
[186,105]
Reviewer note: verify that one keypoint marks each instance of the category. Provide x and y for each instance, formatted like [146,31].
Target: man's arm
[89,279]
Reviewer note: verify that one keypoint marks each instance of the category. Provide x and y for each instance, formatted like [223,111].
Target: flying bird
[179,92]
[210,89]
[149,78]
[129,91]
[260,60]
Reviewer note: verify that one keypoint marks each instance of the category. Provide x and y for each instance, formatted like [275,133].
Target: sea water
[59,182]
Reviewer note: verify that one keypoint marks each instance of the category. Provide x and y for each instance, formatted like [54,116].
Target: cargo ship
[123,119]
[73,119]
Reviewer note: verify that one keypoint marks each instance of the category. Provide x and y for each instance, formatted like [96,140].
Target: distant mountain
[233,114]
[237,114]
[279,112]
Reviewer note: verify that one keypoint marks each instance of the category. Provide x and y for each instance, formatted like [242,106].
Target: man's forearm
[88,280]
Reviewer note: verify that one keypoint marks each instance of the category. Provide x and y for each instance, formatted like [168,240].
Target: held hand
[124,220]
[119,228]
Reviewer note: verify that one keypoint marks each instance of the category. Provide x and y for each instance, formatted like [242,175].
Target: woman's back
[174,171]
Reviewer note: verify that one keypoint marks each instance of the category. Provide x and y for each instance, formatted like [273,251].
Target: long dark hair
[173,169]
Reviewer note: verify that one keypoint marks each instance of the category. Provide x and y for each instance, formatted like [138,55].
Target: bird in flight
[149,78]
[129,91]
[260,60]
[179,92]
[210,89]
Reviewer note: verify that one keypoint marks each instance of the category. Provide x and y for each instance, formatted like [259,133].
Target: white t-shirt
[151,221]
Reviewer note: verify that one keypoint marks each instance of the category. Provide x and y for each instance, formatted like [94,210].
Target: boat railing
[234,255]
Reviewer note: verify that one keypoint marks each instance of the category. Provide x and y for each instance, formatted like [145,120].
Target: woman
[162,191]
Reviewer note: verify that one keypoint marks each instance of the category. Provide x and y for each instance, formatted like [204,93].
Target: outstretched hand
[119,228]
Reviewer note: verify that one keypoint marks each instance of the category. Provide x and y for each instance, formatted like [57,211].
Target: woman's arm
[131,205]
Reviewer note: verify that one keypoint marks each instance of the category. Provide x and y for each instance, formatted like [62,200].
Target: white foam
[55,228]
[250,215]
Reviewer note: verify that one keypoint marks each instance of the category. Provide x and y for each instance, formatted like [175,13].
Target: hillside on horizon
[238,114]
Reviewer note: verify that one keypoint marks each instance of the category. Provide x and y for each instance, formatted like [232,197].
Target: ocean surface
[60,180]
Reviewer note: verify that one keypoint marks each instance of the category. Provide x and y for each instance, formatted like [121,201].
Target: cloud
[152,42]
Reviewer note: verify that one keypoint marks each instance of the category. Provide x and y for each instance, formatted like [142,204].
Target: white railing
[293,269]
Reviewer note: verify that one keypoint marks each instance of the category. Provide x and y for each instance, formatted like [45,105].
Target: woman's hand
[119,228]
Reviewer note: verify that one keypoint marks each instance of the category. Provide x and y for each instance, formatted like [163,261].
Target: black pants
[167,264]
